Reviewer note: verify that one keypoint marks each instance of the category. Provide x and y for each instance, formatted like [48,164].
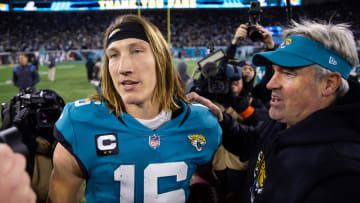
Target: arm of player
[66,177]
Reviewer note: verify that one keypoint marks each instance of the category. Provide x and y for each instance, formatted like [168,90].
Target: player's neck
[143,111]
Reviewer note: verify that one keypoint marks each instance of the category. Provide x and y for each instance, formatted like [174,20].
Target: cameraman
[242,34]
[245,110]
[15,182]
[259,91]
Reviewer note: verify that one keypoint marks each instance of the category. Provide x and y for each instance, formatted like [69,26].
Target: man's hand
[193,97]
[14,182]
[267,37]
[241,33]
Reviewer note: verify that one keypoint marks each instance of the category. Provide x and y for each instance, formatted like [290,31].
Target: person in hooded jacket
[309,151]
[249,74]
[25,76]
[182,70]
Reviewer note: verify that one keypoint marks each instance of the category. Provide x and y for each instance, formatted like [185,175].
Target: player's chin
[133,100]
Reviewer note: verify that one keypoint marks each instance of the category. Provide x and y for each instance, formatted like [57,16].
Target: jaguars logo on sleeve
[198,141]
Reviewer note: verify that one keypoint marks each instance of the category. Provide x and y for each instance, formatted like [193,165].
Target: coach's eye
[288,73]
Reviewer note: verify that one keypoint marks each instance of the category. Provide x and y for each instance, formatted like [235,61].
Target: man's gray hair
[321,72]
[337,37]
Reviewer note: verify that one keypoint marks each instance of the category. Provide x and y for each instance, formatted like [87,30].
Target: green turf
[70,81]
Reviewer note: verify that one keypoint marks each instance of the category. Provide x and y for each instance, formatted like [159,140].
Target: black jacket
[315,160]
[25,76]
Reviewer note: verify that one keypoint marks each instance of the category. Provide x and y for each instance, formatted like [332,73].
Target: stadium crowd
[84,30]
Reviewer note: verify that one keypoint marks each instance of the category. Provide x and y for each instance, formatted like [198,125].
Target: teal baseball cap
[297,51]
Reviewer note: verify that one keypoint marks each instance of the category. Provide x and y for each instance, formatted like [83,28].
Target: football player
[141,141]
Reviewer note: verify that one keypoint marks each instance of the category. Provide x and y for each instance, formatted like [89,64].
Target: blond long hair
[168,82]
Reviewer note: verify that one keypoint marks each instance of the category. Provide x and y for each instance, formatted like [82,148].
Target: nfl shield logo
[154,141]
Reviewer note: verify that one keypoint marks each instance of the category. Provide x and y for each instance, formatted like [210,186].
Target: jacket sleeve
[230,51]
[15,78]
[238,139]
[261,113]
[36,78]
[258,116]
[229,54]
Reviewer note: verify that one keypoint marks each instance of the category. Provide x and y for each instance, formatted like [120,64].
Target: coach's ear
[331,83]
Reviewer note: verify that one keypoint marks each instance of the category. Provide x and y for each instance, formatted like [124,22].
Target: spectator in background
[51,68]
[90,67]
[140,137]
[97,75]
[249,73]
[309,150]
[97,69]
[182,70]
[15,182]
[25,75]
[35,61]
[179,54]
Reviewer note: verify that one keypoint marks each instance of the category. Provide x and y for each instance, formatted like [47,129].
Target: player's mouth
[129,84]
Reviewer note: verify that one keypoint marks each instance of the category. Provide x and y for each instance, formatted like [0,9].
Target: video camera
[215,80]
[40,110]
[255,12]
[28,115]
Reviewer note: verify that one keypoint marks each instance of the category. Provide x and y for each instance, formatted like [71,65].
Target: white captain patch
[106,144]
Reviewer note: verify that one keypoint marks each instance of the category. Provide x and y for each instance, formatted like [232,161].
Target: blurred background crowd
[28,32]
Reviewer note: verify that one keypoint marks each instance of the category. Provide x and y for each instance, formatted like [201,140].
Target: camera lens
[254,34]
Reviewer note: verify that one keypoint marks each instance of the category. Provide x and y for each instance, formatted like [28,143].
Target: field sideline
[70,81]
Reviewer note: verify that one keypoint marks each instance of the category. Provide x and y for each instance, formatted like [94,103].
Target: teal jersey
[124,161]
